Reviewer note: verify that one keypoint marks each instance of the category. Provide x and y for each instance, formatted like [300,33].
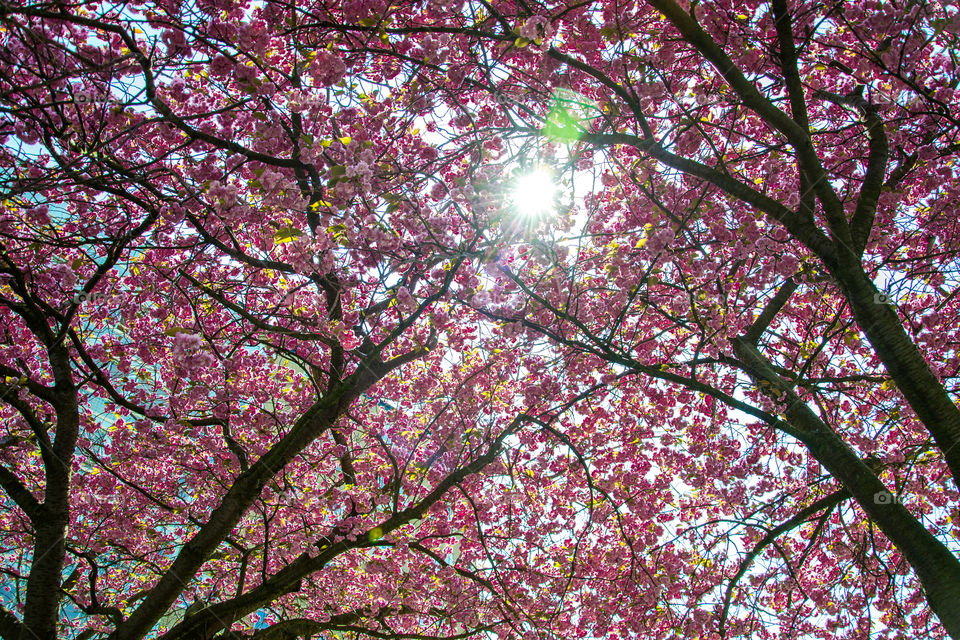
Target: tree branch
[827,502]
[769,312]
[799,137]
[21,495]
[798,102]
[10,627]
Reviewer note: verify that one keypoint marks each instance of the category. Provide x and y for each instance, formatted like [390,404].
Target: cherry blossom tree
[291,350]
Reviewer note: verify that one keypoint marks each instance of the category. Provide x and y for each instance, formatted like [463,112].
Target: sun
[534,193]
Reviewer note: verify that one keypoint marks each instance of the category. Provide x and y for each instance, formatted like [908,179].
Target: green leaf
[286,234]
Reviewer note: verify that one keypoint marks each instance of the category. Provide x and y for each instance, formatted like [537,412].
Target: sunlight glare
[534,194]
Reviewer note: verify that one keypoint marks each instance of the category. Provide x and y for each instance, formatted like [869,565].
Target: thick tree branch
[10,627]
[804,515]
[206,622]
[244,491]
[862,222]
[770,311]
[798,136]
[936,567]
[20,494]
[803,229]
[798,102]
[906,365]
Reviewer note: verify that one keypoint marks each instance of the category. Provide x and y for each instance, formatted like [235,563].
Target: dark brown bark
[244,491]
[42,603]
[10,627]
[905,364]
[937,568]
[879,322]
[207,622]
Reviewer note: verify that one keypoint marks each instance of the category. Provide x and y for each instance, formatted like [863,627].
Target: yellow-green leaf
[286,234]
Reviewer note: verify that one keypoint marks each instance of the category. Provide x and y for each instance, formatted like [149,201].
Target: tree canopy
[450,319]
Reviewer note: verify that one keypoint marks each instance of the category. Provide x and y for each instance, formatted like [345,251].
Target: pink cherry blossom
[327,69]
[322,380]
